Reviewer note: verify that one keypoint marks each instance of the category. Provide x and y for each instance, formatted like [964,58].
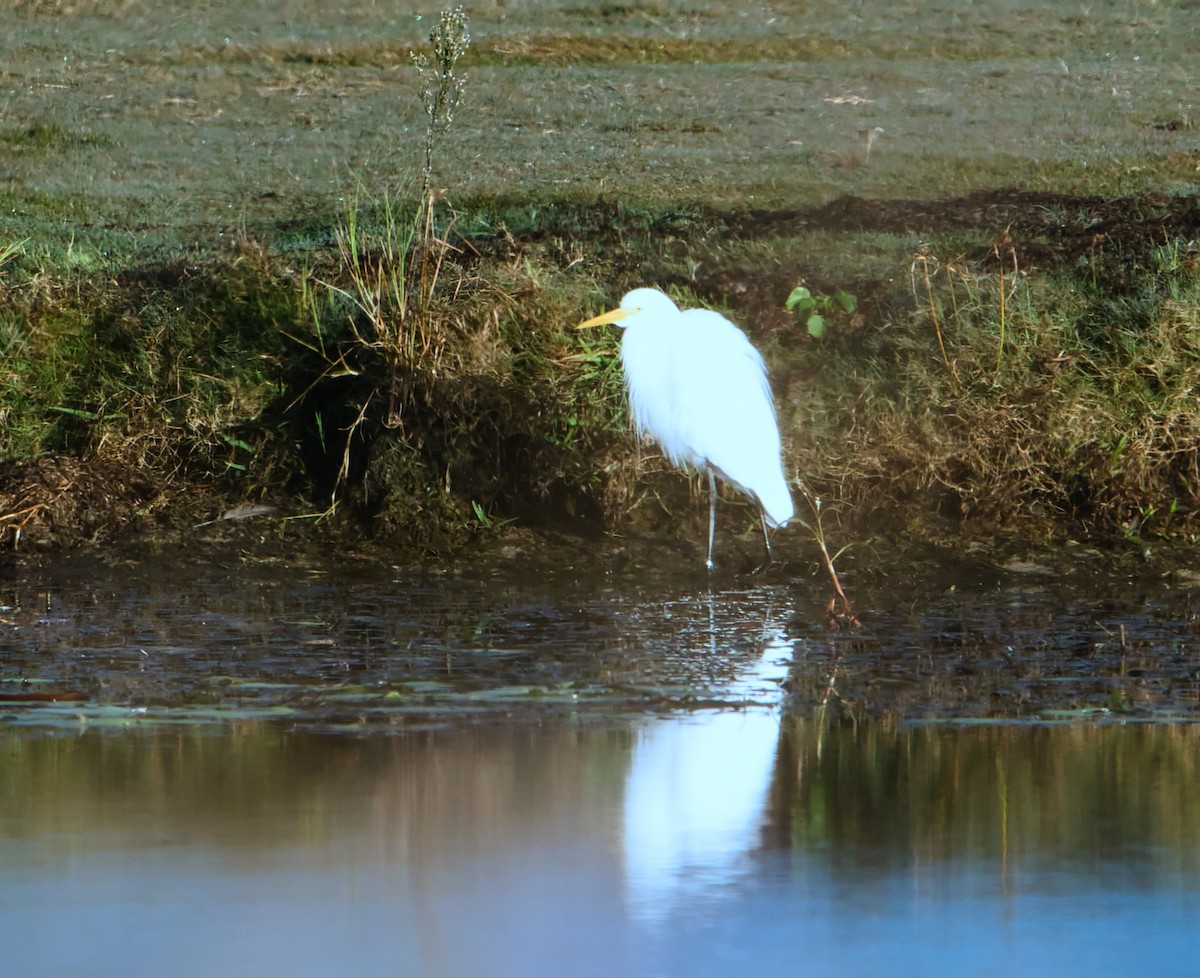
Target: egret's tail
[777,504]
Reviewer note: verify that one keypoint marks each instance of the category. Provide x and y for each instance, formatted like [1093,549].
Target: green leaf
[816,326]
[238,443]
[848,302]
[799,295]
[85,415]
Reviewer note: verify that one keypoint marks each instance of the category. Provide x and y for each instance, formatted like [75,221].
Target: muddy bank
[1064,323]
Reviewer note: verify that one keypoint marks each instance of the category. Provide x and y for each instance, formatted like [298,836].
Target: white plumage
[699,389]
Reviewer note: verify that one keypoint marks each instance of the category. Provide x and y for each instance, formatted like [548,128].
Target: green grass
[199,127]
[162,364]
[45,137]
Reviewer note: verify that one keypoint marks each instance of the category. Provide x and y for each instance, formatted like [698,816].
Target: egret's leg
[712,514]
[766,536]
[770,561]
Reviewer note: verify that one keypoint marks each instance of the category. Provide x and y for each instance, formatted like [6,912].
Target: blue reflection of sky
[559,907]
[791,921]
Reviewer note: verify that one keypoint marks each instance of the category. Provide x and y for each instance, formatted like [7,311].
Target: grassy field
[225,286]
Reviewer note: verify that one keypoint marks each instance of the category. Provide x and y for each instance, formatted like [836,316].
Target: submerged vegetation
[398,357]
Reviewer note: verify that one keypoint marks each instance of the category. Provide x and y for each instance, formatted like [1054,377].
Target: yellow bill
[612,316]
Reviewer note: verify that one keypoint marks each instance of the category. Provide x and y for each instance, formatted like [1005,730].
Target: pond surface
[522,768]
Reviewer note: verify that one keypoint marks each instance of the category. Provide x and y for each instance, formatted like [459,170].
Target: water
[511,768]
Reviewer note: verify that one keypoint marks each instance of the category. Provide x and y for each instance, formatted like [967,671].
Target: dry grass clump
[61,502]
[1008,397]
[442,390]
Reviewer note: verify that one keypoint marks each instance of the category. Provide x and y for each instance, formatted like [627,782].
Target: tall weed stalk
[391,255]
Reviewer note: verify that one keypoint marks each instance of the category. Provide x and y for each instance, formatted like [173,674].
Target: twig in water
[817,529]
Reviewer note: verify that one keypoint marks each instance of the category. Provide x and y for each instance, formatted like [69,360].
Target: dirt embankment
[98,491]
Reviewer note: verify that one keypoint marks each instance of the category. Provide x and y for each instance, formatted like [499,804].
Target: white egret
[699,388]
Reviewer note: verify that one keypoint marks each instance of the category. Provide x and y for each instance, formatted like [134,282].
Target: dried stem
[817,528]
[1003,249]
[925,259]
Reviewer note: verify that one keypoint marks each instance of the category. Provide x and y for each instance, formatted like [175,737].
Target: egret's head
[634,303]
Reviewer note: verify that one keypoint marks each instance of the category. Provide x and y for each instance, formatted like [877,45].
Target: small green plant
[441,95]
[814,309]
[486,520]
[11,250]
[1148,522]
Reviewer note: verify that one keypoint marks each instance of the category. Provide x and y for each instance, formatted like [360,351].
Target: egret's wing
[726,411]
